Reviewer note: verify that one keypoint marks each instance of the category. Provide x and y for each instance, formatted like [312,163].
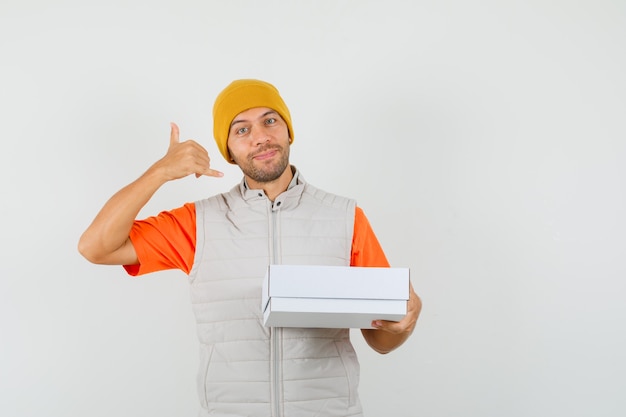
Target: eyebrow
[260,117]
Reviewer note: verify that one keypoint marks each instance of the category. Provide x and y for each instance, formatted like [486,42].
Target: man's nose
[260,135]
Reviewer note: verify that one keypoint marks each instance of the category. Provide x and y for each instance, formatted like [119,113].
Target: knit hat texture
[239,96]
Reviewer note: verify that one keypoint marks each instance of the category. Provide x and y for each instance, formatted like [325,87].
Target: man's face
[258,141]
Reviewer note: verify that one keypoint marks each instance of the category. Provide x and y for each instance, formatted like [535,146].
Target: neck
[273,188]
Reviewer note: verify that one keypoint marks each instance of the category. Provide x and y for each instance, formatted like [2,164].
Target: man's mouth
[265,154]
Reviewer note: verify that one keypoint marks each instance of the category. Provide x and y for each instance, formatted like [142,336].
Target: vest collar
[288,198]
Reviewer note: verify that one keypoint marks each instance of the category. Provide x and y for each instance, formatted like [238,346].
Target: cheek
[238,151]
[233,146]
[283,134]
[231,149]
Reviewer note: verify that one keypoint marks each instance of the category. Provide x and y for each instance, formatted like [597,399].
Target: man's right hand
[184,158]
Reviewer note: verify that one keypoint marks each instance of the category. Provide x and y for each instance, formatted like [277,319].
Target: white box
[333,296]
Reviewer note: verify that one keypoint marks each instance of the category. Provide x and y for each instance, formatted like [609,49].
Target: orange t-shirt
[168,241]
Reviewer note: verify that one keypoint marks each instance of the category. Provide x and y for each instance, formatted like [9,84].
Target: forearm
[106,240]
[109,230]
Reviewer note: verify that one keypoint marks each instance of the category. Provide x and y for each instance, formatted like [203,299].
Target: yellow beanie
[241,95]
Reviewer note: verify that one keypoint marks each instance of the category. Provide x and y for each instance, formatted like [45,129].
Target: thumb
[174,134]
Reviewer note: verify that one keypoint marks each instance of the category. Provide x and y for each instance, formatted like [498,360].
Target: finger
[204,169]
[211,173]
[174,134]
[414,305]
[207,170]
[388,326]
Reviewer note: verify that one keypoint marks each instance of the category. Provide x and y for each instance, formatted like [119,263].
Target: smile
[265,155]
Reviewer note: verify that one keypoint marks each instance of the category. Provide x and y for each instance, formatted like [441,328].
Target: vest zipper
[276,332]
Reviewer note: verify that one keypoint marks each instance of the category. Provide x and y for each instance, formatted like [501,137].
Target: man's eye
[270,121]
[242,130]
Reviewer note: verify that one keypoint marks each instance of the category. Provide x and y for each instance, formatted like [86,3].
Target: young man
[225,243]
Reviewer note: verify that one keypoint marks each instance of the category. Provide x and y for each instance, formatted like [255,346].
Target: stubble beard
[262,172]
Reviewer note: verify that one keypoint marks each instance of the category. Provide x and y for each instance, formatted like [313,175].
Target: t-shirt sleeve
[165,241]
[366,250]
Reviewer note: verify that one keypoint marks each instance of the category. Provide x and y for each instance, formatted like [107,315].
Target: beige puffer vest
[247,369]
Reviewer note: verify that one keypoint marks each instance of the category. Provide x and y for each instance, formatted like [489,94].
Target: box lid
[342,282]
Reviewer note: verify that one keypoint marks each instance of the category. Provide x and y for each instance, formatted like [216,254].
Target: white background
[485,141]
